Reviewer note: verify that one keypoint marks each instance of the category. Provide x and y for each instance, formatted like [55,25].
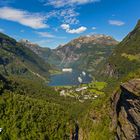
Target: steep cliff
[125,57]
[126,111]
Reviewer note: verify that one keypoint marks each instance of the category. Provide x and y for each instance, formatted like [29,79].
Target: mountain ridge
[96,38]
[125,57]
[71,54]
[86,51]
[16,59]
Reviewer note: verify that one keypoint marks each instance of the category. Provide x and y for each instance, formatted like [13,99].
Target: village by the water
[83,92]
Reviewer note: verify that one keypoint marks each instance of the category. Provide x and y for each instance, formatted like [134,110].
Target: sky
[50,23]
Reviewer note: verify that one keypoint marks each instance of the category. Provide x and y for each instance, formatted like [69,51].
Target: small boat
[80,80]
[84,74]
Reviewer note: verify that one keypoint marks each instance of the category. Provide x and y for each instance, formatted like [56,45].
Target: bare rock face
[126,111]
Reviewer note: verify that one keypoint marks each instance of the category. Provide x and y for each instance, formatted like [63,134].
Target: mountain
[16,59]
[45,53]
[85,52]
[122,71]
[126,56]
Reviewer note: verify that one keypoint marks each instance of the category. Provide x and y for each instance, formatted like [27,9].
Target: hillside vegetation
[125,57]
[15,59]
[29,109]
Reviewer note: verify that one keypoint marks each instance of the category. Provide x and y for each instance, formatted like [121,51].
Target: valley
[92,49]
[87,89]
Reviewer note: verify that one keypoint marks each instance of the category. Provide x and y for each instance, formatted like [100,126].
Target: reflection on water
[69,78]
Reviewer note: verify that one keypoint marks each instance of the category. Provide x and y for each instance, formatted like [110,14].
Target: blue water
[68,79]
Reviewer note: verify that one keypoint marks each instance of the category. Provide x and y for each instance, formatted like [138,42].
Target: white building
[95,96]
[67,70]
[62,93]
[0,130]
[80,89]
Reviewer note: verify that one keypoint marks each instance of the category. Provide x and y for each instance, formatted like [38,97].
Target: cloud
[116,22]
[33,20]
[1,30]
[69,15]
[45,34]
[66,9]
[65,26]
[62,3]
[73,31]
[66,15]
[48,35]
[94,28]
[77,31]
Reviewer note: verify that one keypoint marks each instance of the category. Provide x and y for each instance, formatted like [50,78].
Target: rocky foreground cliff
[126,111]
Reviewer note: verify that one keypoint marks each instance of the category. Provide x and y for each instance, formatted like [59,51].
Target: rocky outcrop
[126,111]
[74,132]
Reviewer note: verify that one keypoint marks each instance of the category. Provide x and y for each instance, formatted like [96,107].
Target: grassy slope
[18,59]
[124,58]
